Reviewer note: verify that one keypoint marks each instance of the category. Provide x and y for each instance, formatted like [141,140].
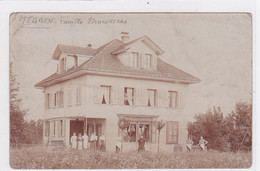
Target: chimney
[125,37]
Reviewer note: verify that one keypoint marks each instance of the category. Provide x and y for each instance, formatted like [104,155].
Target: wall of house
[90,108]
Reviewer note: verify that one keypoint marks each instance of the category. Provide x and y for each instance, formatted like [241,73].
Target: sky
[216,48]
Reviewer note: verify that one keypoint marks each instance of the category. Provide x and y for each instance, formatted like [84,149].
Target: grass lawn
[61,157]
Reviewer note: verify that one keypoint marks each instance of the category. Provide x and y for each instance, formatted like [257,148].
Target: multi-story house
[94,88]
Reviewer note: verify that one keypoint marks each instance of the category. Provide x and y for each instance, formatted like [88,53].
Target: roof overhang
[113,74]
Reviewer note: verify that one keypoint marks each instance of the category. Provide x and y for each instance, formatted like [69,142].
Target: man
[141,142]
[102,142]
[202,143]
[93,141]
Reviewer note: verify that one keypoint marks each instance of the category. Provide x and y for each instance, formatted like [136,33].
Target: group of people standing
[84,142]
[202,143]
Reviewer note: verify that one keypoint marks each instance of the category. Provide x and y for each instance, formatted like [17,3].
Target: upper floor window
[135,59]
[106,94]
[55,99]
[129,96]
[151,101]
[172,129]
[173,99]
[48,101]
[78,95]
[61,97]
[70,96]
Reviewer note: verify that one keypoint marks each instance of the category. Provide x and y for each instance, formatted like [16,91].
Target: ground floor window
[172,129]
[137,129]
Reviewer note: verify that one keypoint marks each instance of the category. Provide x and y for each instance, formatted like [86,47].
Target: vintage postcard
[130,90]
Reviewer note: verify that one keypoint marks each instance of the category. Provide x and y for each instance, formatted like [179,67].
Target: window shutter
[138,96]
[144,97]
[114,95]
[121,95]
[96,95]
[179,97]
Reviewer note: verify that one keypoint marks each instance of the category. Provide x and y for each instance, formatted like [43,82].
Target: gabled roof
[76,50]
[145,39]
[104,62]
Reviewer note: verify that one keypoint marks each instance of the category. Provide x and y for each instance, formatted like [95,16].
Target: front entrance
[76,126]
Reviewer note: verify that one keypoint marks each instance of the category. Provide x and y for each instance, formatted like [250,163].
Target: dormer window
[148,60]
[135,60]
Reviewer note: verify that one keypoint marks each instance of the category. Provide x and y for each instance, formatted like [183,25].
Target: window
[105,94]
[48,101]
[55,99]
[151,101]
[61,97]
[173,99]
[172,129]
[134,131]
[54,128]
[148,60]
[129,96]
[69,97]
[78,96]
[135,59]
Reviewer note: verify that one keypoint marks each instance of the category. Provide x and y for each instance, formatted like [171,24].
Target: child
[80,142]
[85,140]
[73,140]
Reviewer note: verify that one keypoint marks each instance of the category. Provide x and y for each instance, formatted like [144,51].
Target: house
[95,87]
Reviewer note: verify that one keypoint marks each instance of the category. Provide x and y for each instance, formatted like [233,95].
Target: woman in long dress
[80,142]
[73,140]
[85,140]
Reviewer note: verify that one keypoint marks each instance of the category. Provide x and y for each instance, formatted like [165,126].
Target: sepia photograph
[130,90]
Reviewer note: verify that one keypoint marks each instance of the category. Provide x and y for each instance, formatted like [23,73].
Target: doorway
[76,126]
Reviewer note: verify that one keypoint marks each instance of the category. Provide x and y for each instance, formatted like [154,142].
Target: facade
[94,88]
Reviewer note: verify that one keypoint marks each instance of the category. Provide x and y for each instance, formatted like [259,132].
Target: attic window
[146,61]
[135,59]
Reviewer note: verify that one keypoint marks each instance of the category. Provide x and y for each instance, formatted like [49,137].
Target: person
[141,142]
[202,143]
[118,144]
[85,140]
[189,143]
[80,142]
[102,142]
[93,141]
[73,140]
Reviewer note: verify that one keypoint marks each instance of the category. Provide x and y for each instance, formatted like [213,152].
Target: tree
[17,122]
[159,126]
[211,126]
[122,124]
[239,124]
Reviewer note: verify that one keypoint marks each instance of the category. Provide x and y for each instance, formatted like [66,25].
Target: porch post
[67,132]
[86,125]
